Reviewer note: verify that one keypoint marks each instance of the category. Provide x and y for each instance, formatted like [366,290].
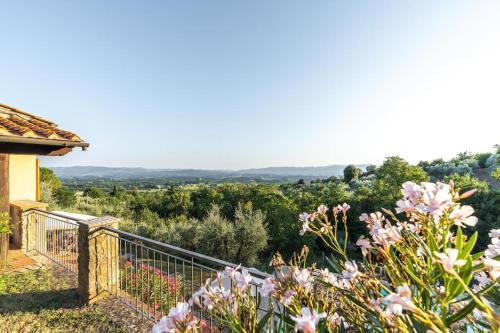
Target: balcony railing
[53,236]
[146,275]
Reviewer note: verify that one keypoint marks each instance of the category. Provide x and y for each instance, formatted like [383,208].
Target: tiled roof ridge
[24,113]
[15,122]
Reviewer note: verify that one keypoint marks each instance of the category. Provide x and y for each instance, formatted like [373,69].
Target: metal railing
[151,277]
[54,236]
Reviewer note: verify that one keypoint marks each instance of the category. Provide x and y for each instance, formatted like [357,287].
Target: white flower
[304,217]
[493,248]
[303,278]
[482,280]
[322,209]
[385,236]
[404,206]
[364,217]
[364,244]
[168,324]
[493,268]
[344,208]
[287,297]
[462,215]
[308,320]
[243,279]
[230,272]
[268,286]
[164,325]
[436,198]
[449,259]
[494,233]
[350,271]
[411,191]
[399,301]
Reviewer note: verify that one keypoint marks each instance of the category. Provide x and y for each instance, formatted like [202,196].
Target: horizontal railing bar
[172,256]
[52,214]
[195,255]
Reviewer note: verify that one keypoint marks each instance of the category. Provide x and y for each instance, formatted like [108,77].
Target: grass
[39,301]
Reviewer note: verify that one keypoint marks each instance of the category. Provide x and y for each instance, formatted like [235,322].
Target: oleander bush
[151,286]
[418,273]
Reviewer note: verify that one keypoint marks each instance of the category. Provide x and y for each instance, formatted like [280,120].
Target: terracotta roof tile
[14,122]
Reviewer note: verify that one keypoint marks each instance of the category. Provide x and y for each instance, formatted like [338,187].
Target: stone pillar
[25,229]
[98,259]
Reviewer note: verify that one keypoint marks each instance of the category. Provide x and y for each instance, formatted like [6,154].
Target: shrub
[467,182]
[418,274]
[151,285]
[482,158]
[5,226]
[439,171]
[496,173]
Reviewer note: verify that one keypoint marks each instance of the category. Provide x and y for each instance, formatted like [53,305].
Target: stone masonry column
[25,229]
[98,259]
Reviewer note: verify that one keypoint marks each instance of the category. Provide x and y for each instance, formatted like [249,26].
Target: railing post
[98,258]
[25,229]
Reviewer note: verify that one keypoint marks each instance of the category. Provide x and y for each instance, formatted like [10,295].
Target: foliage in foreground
[418,274]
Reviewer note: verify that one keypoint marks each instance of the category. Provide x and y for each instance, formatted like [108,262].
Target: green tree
[48,176]
[176,201]
[390,175]
[65,197]
[351,172]
[218,237]
[94,192]
[250,235]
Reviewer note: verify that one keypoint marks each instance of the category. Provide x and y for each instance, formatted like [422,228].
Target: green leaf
[467,249]
[459,239]
[263,322]
[460,314]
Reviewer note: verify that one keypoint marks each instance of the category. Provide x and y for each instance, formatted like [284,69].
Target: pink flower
[436,198]
[404,206]
[304,217]
[322,209]
[462,215]
[364,244]
[449,259]
[307,321]
[268,286]
[288,297]
[230,272]
[344,208]
[411,191]
[303,277]
[350,271]
[176,315]
[243,279]
[399,301]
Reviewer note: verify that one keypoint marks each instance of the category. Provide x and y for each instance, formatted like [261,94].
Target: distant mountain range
[77,172]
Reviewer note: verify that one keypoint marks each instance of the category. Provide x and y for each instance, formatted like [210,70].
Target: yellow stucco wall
[22,177]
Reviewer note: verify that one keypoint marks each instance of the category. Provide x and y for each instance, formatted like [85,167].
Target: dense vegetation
[247,223]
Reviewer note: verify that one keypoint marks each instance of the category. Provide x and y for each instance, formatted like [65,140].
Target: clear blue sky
[238,84]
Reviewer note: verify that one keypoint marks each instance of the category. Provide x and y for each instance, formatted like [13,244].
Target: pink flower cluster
[434,199]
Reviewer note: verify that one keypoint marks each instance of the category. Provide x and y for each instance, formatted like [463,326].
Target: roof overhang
[37,146]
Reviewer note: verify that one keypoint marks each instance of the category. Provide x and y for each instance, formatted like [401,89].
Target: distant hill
[271,173]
